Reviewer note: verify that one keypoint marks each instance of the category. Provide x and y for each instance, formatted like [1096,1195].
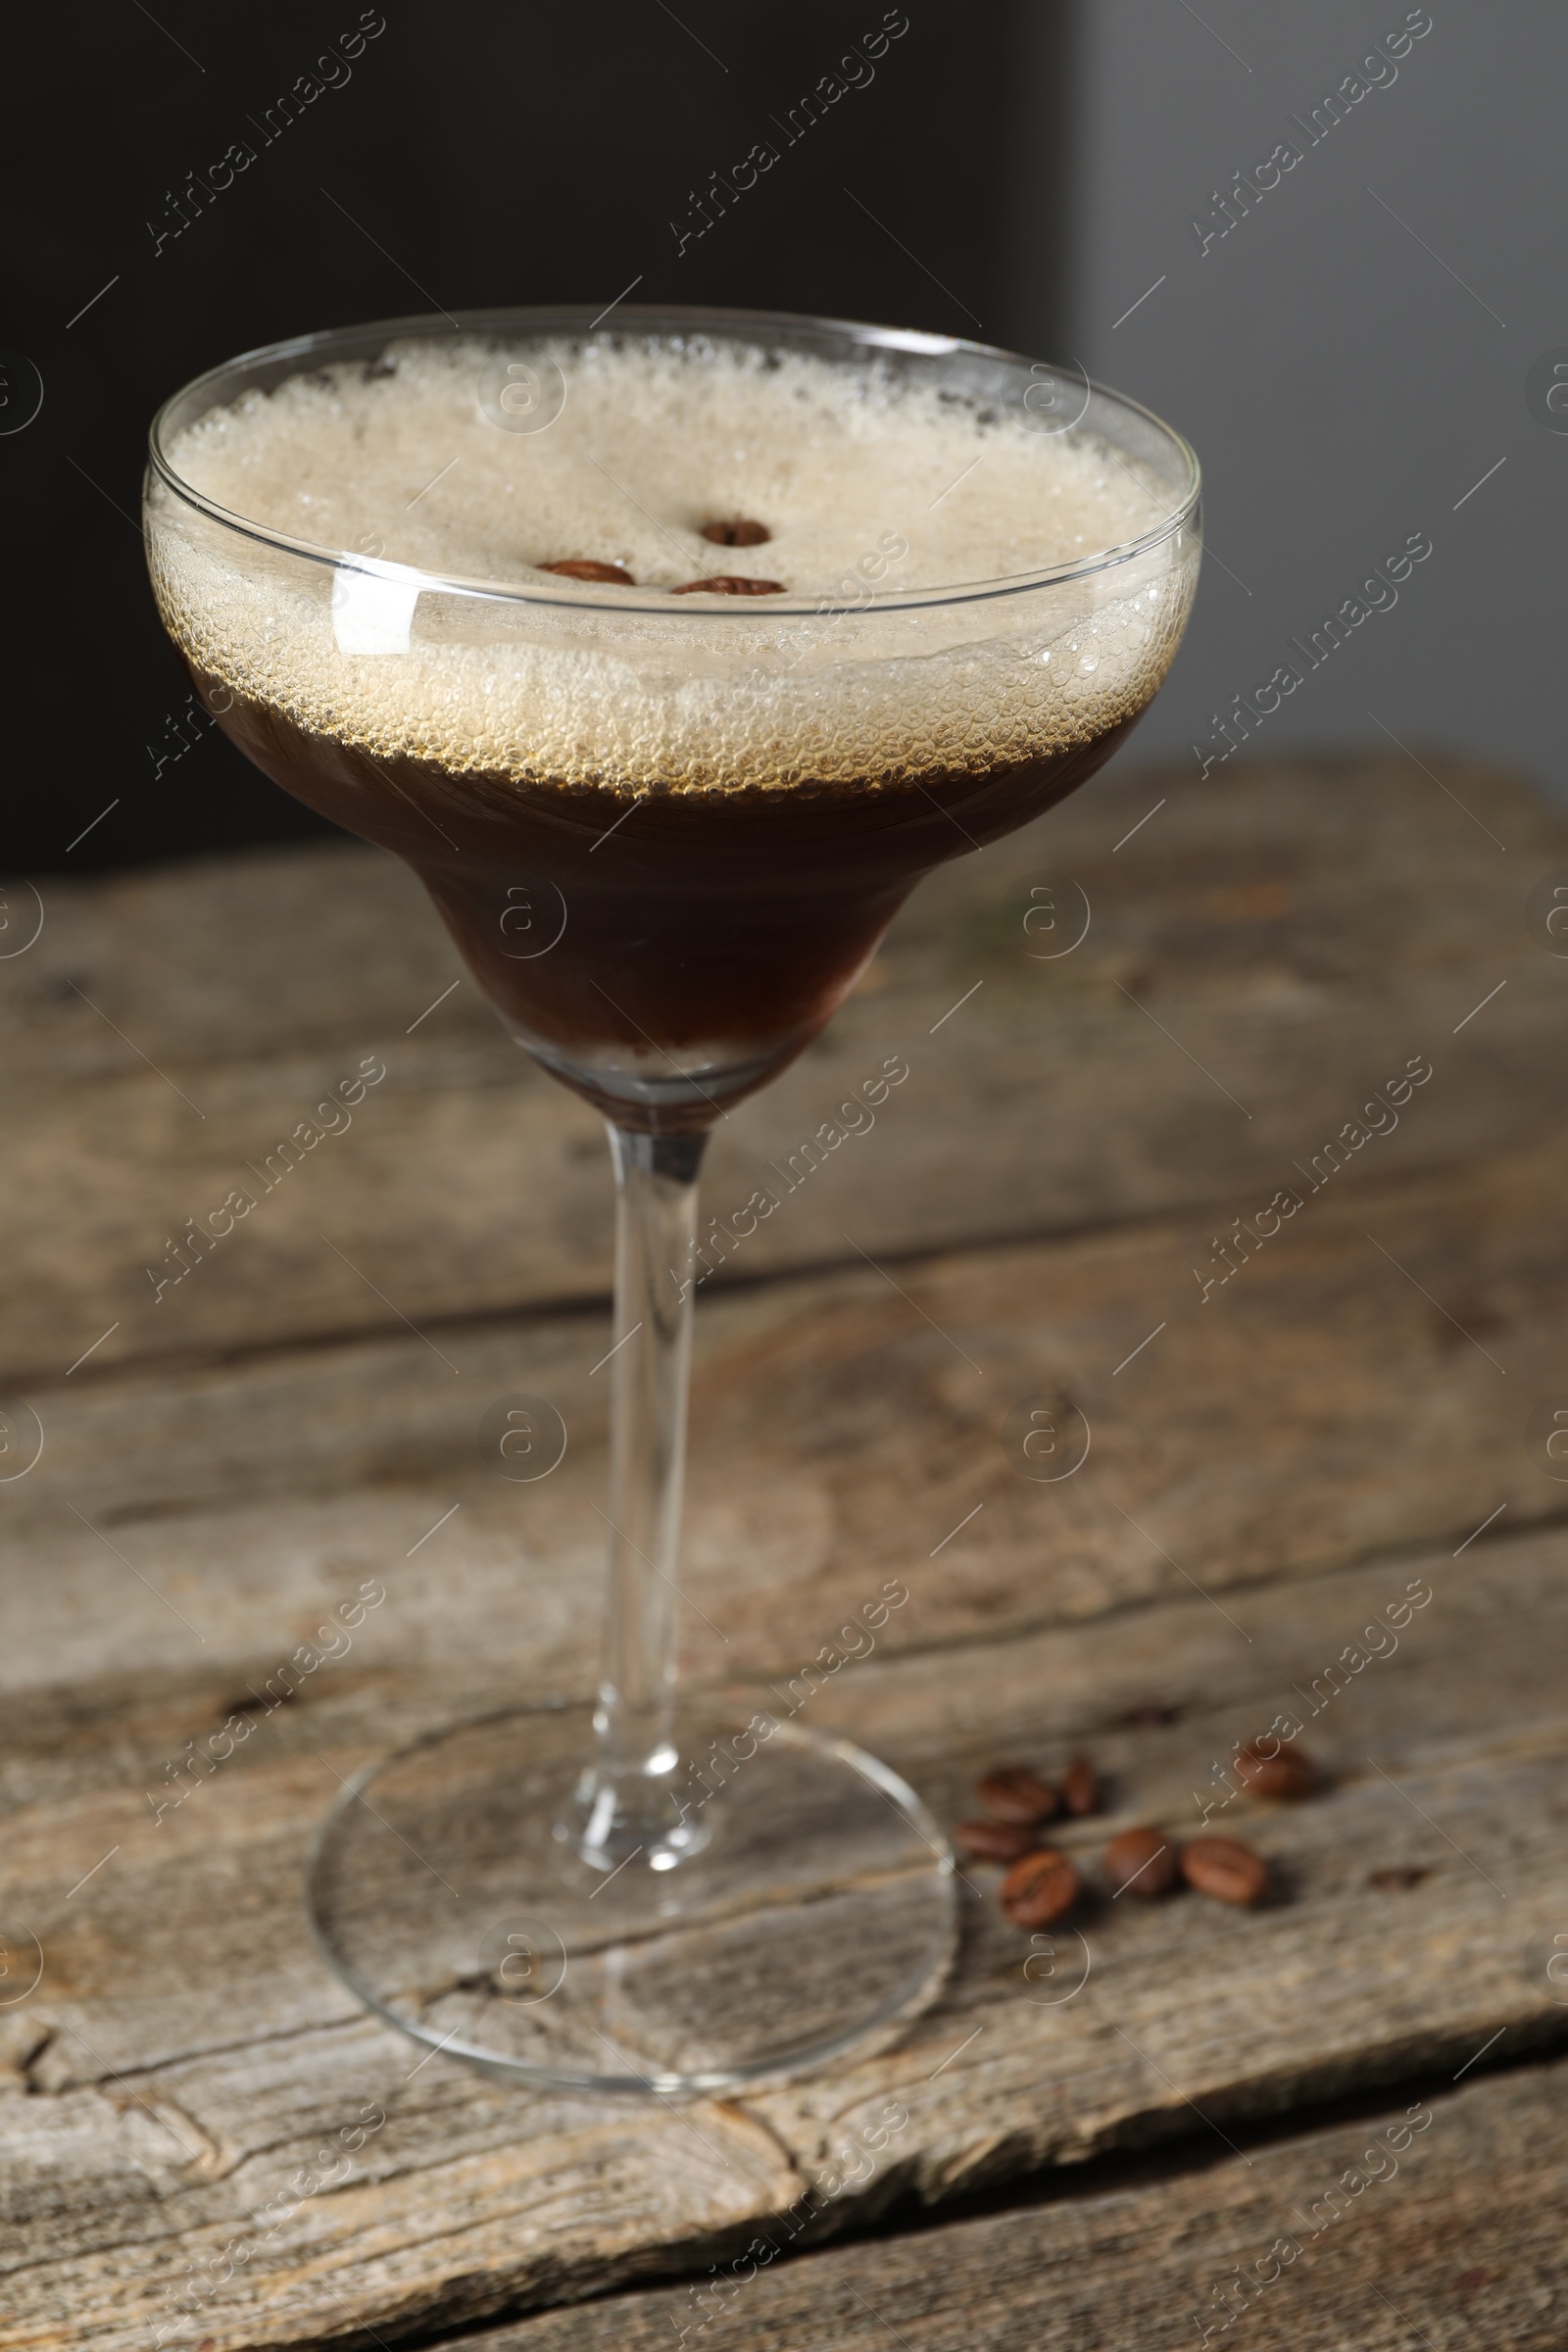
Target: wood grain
[198,2056]
[1261,953]
[1271,1462]
[1461,2246]
[845,1428]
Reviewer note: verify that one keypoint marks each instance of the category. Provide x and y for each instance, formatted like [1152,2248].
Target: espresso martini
[671,650]
[686,709]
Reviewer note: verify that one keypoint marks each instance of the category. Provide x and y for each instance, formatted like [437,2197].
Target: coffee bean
[739,533]
[1080,1787]
[1149,1711]
[1140,1862]
[727,583]
[1013,1792]
[1397,1880]
[581,567]
[994,1840]
[1228,1870]
[1043,1886]
[1289,1775]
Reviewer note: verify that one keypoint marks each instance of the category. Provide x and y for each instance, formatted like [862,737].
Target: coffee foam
[870,486]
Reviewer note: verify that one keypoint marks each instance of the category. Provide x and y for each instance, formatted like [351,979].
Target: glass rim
[568,319]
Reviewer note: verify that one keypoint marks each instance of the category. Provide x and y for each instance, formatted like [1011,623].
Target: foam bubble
[870,486]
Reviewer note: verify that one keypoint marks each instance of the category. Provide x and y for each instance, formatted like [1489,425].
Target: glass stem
[628,1799]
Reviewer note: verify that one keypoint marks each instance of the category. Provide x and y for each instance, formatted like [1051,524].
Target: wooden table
[1275,1462]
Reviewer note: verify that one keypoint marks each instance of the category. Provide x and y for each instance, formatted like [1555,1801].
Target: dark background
[490,152]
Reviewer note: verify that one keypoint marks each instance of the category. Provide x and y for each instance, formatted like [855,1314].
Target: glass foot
[814,1918]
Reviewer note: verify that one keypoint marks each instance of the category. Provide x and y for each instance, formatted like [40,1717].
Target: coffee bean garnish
[1397,1880]
[1013,1792]
[1225,1869]
[1140,1862]
[739,533]
[994,1840]
[1080,1787]
[1289,1774]
[1043,1886]
[729,583]
[582,567]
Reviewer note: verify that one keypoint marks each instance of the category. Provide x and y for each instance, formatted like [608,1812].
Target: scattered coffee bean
[1228,1870]
[994,1840]
[1140,1862]
[582,567]
[1013,1792]
[1289,1775]
[739,533]
[1043,1886]
[728,583]
[1397,1880]
[1080,1787]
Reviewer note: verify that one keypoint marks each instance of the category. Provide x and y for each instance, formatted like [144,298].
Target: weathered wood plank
[1303,933]
[1300,929]
[1448,2233]
[180,1977]
[1433,1770]
[1317,1407]
[121,2196]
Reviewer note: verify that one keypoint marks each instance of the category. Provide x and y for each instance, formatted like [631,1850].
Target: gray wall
[1341,387]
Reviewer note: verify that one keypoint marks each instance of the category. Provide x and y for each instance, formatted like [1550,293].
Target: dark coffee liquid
[664,956]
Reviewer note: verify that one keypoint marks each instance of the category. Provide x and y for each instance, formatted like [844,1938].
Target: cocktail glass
[655,1894]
